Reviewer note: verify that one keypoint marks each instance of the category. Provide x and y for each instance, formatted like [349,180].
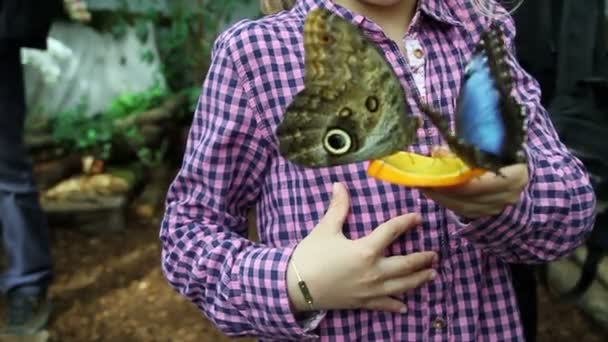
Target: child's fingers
[381,237]
[397,286]
[403,265]
[338,209]
[441,151]
[385,303]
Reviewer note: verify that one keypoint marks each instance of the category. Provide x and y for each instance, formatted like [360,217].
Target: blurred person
[561,43]
[29,271]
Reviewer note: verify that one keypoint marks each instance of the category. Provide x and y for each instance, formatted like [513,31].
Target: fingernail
[435,259]
[334,188]
[432,275]
[403,309]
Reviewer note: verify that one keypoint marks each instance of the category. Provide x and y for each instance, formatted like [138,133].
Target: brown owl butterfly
[352,108]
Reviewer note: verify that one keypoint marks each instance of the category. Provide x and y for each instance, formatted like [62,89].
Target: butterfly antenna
[434,115]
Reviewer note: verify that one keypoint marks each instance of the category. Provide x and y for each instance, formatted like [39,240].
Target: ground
[109,287]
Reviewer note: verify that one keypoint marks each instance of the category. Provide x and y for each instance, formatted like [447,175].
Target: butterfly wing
[490,125]
[479,120]
[352,107]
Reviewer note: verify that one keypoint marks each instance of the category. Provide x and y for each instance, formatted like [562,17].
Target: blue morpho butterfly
[490,125]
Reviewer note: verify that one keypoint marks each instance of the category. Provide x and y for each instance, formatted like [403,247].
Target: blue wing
[479,121]
[490,124]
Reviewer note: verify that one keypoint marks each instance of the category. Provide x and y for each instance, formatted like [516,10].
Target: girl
[378,262]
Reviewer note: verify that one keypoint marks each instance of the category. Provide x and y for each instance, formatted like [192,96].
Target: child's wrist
[297,298]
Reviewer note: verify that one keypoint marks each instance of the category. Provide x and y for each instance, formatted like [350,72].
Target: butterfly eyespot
[372,104]
[325,38]
[345,112]
[337,142]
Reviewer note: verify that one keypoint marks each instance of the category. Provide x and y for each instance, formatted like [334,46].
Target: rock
[563,275]
[143,285]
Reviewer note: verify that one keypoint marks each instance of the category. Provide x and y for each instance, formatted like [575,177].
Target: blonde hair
[269,7]
[488,7]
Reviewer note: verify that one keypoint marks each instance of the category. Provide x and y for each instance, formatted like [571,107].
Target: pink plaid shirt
[231,164]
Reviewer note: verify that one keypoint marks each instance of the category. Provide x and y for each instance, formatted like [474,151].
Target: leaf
[142,29]
[147,56]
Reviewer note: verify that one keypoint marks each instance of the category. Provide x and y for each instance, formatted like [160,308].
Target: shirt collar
[440,11]
[437,10]
[305,6]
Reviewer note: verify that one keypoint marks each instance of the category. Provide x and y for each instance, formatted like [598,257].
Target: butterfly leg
[436,118]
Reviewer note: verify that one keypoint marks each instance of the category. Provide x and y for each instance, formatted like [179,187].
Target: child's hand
[347,274]
[484,196]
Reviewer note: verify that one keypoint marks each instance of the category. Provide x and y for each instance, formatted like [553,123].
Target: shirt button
[418,53]
[439,324]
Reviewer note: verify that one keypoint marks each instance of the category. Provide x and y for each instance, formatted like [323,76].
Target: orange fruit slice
[411,169]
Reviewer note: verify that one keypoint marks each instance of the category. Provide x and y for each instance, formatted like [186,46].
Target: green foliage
[193,94]
[71,128]
[151,157]
[129,103]
[185,44]
[98,134]
[184,35]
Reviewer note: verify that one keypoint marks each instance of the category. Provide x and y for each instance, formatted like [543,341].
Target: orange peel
[415,170]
